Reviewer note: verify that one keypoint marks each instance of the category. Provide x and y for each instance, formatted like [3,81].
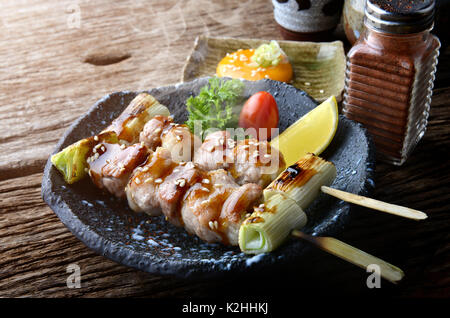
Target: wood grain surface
[58,57]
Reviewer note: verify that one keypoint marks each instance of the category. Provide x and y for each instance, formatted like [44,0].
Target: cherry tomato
[260,111]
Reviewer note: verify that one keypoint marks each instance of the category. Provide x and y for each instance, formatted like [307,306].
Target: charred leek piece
[270,224]
[285,199]
[71,161]
[131,121]
[301,182]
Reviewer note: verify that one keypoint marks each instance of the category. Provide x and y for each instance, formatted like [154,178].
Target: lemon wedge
[311,133]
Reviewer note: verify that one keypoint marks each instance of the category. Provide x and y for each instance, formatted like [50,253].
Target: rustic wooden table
[58,57]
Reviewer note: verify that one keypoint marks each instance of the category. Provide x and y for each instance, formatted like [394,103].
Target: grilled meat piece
[214,209]
[173,189]
[110,165]
[234,209]
[178,139]
[215,152]
[256,162]
[151,134]
[248,160]
[143,186]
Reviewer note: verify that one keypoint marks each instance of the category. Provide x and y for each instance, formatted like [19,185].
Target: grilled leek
[131,121]
[71,161]
[302,181]
[270,224]
[284,201]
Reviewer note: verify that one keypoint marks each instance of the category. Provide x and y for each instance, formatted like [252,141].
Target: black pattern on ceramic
[303,4]
[106,224]
[306,16]
[332,8]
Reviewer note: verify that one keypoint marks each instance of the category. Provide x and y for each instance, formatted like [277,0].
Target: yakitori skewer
[352,255]
[283,214]
[375,204]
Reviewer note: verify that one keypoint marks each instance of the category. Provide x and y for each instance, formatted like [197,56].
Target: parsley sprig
[213,106]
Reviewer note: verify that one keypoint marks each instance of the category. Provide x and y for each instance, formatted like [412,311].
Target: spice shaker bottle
[390,74]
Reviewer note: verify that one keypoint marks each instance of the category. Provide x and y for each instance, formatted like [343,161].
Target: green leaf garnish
[268,54]
[213,106]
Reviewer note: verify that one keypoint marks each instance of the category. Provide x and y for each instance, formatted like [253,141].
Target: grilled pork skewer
[161,131]
[159,181]
[209,204]
[248,160]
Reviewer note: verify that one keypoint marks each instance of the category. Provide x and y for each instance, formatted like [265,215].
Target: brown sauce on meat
[114,161]
[156,166]
[239,207]
[174,187]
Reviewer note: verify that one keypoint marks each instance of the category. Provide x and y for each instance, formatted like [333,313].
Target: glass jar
[390,74]
[353,19]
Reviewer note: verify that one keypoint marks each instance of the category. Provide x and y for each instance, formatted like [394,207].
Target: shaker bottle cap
[400,16]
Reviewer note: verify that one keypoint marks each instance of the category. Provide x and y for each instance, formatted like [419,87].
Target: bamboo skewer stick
[375,204]
[353,255]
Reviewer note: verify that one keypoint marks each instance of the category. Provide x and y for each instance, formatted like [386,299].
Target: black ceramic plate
[110,228]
